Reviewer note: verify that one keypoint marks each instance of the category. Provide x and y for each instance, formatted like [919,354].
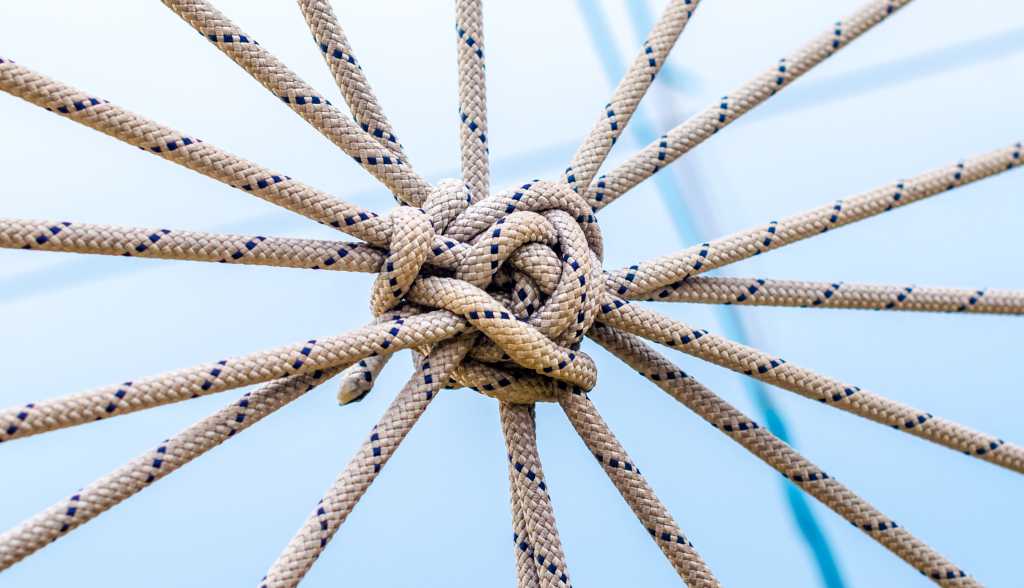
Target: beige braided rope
[627,95]
[779,455]
[762,292]
[606,189]
[348,74]
[535,532]
[332,510]
[516,276]
[779,372]
[644,280]
[625,475]
[138,474]
[473,137]
[390,169]
[75,237]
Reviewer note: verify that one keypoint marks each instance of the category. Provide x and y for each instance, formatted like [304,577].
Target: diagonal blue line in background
[732,323]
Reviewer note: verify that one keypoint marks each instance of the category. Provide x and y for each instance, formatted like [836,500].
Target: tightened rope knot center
[522,266]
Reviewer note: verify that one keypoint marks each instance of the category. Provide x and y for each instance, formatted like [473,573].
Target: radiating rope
[532,311]
[208,378]
[138,474]
[332,510]
[76,237]
[779,372]
[473,135]
[627,95]
[392,170]
[625,475]
[607,188]
[765,292]
[348,74]
[535,532]
[643,280]
[777,454]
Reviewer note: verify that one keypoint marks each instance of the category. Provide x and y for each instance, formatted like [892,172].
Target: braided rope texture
[490,290]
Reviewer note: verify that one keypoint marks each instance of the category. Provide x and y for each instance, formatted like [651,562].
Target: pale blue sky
[438,515]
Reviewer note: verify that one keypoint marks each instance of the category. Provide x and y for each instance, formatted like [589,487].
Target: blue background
[937,82]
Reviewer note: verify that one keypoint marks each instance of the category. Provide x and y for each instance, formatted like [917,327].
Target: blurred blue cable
[732,323]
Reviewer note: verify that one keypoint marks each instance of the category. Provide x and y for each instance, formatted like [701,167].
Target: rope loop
[524,268]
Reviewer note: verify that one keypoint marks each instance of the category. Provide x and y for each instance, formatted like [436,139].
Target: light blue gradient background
[438,515]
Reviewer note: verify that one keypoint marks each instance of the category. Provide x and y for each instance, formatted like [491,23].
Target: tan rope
[762,292]
[678,141]
[625,475]
[518,276]
[348,74]
[777,454]
[300,358]
[393,171]
[138,474]
[644,279]
[332,510]
[75,237]
[774,370]
[473,135]
[536,531]
[633,86]
[190,152]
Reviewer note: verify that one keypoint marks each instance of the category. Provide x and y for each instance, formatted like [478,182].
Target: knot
[523,266]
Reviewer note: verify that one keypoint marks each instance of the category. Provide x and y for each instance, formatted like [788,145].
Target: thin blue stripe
[732,324]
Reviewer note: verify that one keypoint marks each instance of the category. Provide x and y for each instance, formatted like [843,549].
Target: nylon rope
[521,284]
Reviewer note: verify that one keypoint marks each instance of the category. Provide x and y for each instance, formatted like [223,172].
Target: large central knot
[523,266]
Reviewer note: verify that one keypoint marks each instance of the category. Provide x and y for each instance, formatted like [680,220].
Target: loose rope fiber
[494,291]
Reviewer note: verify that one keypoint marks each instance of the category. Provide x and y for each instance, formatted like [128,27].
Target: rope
[777,454]
[392,170]
[784,374]
[516,280]
[472,97]
[678,141]
[627,94]
[138,474]
[75,237]
[348,74]
[537,546]
[625,475]
[643,280]
[761,292]
[300,358]
[332,510]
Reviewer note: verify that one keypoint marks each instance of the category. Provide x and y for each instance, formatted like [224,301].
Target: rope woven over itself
[494,291]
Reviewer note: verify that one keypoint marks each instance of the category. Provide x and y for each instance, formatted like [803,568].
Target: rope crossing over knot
[522,266]
[493,291]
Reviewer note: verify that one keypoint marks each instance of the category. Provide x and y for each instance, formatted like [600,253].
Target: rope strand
[138,474]
[762,292]
[780,456]
[607,188]
[779,372]
[645,279]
